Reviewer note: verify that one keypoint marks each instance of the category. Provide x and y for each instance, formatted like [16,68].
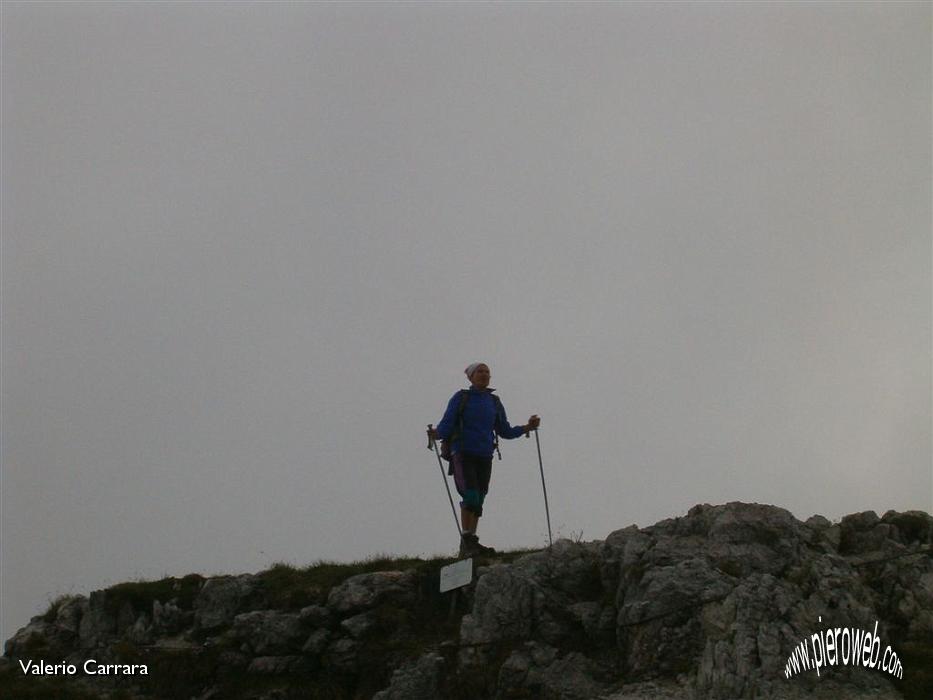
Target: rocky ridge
[707,605]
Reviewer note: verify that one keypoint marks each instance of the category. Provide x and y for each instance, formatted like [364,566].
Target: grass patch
[141,594]
[289,587]
[51,614]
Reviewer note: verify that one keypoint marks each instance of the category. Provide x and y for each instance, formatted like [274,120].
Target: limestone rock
[358,625]
[417,680]
[316,616]
[707,605]
[168,618]
[341,655]
[220,599]
[316,642]
[273,665]
[543,671]
[270,632]
[367,590]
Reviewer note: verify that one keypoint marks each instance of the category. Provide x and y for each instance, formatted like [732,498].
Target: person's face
[480,377]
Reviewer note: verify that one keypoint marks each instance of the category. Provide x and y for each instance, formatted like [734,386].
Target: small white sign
[460,573]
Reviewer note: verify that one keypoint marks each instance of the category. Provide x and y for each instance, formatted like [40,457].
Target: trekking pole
[432,445]
[547,511]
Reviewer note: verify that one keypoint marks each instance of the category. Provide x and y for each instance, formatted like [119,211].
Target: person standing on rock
[472,420]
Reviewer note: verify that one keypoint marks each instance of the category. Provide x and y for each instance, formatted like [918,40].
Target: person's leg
[469,486]
[465,481]
[483,472]
[469,519]
[473,485]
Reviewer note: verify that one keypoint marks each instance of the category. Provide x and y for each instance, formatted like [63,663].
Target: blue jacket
[481,418]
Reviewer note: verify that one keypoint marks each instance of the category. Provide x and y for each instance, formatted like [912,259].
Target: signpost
[456,575]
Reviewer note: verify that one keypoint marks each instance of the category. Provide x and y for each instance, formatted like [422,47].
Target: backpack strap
[458,424]
[447,445]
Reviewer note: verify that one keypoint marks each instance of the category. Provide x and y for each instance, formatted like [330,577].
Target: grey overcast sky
[248,249]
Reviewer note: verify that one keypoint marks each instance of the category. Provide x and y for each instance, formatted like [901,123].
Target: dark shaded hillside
[708,605]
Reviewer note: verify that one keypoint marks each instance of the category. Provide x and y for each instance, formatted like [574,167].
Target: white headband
[472,368]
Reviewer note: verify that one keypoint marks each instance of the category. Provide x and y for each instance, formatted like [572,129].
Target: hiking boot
[470,546]
[486,551]
[466,548]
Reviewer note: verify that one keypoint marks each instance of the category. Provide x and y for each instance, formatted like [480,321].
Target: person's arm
[445,428]
[504,430]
